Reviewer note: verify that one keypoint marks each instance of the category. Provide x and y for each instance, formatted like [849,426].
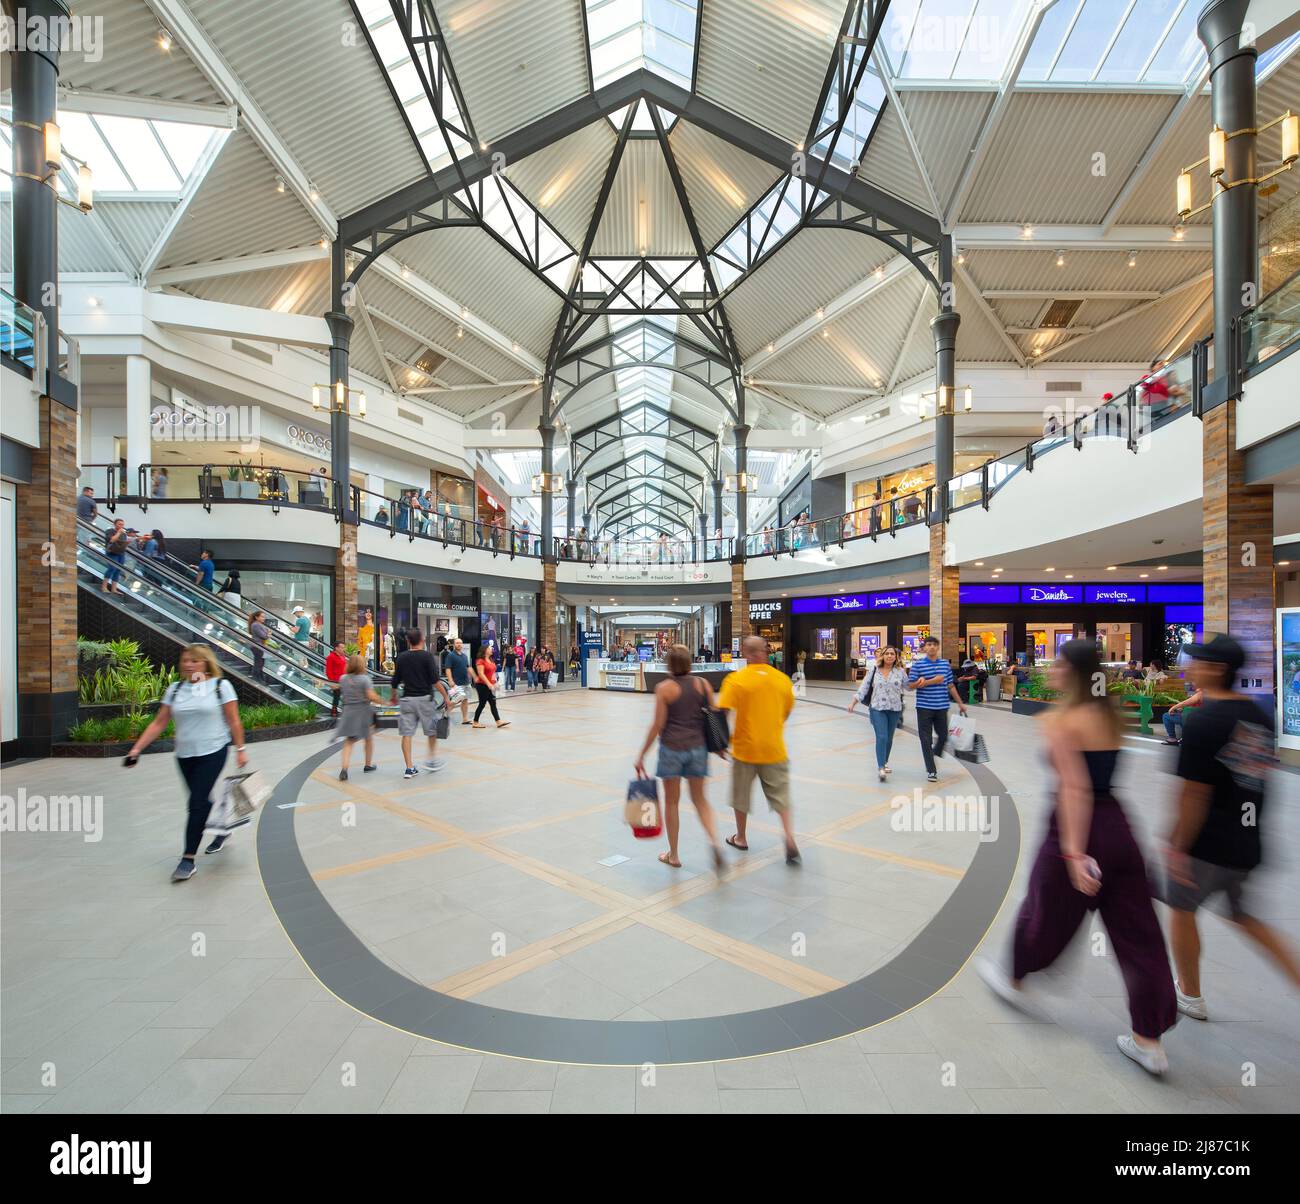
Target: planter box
[1029,706]
[230,489]
[120,748]
[111,710]
[250,491]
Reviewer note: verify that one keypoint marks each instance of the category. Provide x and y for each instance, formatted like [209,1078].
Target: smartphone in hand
[128,761]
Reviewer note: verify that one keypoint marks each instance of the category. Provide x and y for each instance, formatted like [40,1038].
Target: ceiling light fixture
[164,41]
[1026,232]
[1132,259]
[1217,160]
[460,332]
[1110,568]
[279,183]
[1060,259]
[54,156]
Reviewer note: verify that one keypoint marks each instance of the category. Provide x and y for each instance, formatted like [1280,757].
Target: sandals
[743,848]
[480,726]
[504,723]
[664,857]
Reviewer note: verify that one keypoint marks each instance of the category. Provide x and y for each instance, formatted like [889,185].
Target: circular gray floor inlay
[344,964]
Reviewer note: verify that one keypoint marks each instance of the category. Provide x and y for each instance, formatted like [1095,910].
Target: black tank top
[1101,768]
[684,727]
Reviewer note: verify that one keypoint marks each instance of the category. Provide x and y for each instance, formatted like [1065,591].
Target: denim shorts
[683,762]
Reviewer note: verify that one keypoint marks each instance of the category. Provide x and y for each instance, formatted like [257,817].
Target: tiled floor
[123,991]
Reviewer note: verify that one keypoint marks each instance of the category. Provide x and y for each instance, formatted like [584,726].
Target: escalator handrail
[239,638]
[183,576]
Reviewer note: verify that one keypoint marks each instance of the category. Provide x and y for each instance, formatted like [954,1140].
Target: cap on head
[1221,650]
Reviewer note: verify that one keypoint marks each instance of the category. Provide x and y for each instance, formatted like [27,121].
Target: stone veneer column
[549,634]
[46,584]
[346,620]
[739,602]
[944,578]
[1237,527]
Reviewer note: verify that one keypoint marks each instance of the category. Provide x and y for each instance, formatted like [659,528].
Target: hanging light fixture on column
[943,401]
[54,155]
[1217,162]
[336,398]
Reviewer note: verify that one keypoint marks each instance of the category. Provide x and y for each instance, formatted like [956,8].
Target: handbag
[871,685]
[641,810]
[717,736]
[248,791]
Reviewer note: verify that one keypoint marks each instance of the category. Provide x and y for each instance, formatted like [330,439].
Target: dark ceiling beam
[574,116]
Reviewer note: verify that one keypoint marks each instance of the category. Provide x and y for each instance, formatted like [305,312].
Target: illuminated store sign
[891,601]
[996,595]
[1128,595]
[1051,593]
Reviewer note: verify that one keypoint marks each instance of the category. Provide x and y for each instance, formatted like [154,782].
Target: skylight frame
[643,29]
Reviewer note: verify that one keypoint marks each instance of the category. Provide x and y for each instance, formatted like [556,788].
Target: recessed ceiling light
[826,334]
[821,313]
[1027,232]
[1051,568]
[979,563]
[1110,568]
[1144,574]
[279,183]
[164,40]
[1132,259]
[1283,563]
[1060,259]
[1162,568]
[1069,576]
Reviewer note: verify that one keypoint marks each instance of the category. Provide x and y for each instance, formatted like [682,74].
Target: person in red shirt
[336,664]
[486,686]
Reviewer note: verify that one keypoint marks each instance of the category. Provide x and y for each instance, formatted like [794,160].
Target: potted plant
[230,487]
[249,488]
[1035,697]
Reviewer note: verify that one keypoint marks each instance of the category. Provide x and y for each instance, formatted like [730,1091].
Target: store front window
[825,644]
[455,496]
[523,617]
[986,643]
[495,616]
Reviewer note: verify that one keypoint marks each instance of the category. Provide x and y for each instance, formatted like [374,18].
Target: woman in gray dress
[356,720]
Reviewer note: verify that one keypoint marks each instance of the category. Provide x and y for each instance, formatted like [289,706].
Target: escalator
[159,598]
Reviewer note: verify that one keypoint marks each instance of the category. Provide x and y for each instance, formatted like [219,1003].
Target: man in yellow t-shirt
[762,698]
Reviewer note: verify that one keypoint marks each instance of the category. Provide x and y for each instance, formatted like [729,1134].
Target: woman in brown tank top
[679,726]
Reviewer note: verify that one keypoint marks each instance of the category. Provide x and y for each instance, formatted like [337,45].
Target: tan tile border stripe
[374,863]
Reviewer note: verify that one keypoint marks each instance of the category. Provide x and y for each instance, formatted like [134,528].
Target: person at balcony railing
[1159,388]
[381,515]
[426,511]
[584,543]
[158,482]
[87,511]
[496,531]
[525,537]
[403,512]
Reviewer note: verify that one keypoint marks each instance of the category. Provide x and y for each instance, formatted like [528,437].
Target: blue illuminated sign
[851,602]
[1175,593]
[1051,593]
[808,606]
[1000,595]
[891,601]
[1127,595]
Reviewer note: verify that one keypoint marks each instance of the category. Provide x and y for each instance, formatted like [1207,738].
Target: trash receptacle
[993,688]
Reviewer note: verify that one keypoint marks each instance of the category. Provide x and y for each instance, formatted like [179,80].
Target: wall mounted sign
[1127,595]
[851,602]
[995,595]
[1175,593]
[764,612]
[308,440]
[808,606]
[891,601]
[1050,593]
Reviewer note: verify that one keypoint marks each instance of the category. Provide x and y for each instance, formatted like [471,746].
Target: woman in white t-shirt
[205,709]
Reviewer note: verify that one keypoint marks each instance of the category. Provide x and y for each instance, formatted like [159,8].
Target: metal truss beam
[619,490]
[646,421]
[631,516]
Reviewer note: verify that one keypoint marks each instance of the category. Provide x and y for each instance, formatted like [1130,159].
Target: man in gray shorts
[418,674]
[1224,761]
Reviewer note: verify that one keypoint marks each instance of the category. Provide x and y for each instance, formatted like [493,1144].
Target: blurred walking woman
[206,713]
[356,719]
[679,726]
[882,691]
[1088,861]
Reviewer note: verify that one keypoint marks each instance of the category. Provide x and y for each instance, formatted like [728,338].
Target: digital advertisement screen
[1288,678]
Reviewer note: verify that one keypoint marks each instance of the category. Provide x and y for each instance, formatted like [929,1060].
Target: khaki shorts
[416,714]
[775,780]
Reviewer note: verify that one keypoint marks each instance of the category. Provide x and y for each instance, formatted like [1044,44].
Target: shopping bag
[223,818]
[717,736]
[641,810]
[552,678]
[961,733]
[248,791]
[978,751]
[442,729]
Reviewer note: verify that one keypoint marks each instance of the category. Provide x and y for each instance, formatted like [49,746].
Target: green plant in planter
[233,472]
[123,651]
[1038,689]
[92,650]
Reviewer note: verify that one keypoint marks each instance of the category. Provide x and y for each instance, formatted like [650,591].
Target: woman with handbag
[205,710]
[356,719]
[485,684]
[882,692]
[679,724]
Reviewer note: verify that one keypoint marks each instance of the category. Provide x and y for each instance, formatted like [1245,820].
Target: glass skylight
[131,154]
[626,35]
[395,57]
[509,214]
[1129,42]
[954,39]
[754,236]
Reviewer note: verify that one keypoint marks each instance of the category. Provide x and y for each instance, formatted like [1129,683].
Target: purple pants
[1053,910]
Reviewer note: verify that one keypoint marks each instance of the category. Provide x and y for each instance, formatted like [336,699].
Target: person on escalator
[231,590]
[87,511]
[116,543]
[336,665]
[259,632]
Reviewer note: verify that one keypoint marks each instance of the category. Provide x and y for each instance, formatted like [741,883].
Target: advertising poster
[1288,677]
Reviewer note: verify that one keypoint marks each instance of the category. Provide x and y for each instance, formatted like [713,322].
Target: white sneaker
[1153,1061]
[882,774]
[436,764]
[1191,1005]
[999,982]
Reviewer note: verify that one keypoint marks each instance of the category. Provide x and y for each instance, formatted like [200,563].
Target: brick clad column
[549,632]
[739,602]
[944,583]
[346,620]
[1237,534]
[46,584]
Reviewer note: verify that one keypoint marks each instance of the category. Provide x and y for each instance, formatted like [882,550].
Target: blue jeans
[886,724]
[1173,724]
[532,678]
[510,677]
[119,560]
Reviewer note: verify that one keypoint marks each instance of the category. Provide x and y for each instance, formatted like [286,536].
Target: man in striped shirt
[931,678]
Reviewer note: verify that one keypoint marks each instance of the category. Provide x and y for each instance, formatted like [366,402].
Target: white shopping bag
[961,732]
[223,818]
[552,678]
